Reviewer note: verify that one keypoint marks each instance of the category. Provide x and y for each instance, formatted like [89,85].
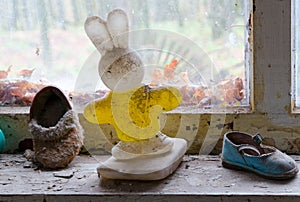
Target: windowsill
[14,110]
[296,110]
[198,178]
[212,110]
[179,110]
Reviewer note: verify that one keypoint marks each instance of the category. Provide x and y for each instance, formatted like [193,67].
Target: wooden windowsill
[199,178]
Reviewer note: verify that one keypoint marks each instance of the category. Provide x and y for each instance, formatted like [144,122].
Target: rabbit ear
[96,29]
[117,24]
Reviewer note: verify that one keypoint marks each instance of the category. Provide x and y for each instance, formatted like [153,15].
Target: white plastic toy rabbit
[120,67]
[122,71]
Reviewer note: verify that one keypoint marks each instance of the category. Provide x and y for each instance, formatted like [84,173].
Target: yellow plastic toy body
[134,113]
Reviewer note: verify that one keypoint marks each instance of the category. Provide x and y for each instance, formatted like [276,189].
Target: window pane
[43,42]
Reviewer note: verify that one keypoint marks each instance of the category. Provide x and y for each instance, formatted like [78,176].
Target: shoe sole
[287,175]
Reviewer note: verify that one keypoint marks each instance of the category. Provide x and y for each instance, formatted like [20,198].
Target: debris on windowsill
[67,174]
[27,164]
[29,155]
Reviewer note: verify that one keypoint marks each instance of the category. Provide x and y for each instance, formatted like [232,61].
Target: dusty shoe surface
[57,133]
[246,152]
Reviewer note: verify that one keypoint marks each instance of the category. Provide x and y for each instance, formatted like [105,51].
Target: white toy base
[146,167]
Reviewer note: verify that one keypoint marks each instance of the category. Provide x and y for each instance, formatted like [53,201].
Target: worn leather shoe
[246,152]
[57,133]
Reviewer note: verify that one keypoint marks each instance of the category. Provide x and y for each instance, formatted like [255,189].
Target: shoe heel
[230,166]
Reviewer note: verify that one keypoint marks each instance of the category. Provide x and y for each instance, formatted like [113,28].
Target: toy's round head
[120,68]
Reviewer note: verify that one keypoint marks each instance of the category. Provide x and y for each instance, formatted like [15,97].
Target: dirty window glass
[203,43]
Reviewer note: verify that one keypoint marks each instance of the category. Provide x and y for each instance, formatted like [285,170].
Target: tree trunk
[14,16]
[177,13]
[27,24]
[145,13]
[51,10]
[89,7]
[61,14]
[46,50]
[75,12]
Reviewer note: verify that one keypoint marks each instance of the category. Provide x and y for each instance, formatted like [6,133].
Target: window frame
[270,73]
[295,108]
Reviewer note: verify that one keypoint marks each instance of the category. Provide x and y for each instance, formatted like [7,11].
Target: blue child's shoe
[2,141]
[245,152]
